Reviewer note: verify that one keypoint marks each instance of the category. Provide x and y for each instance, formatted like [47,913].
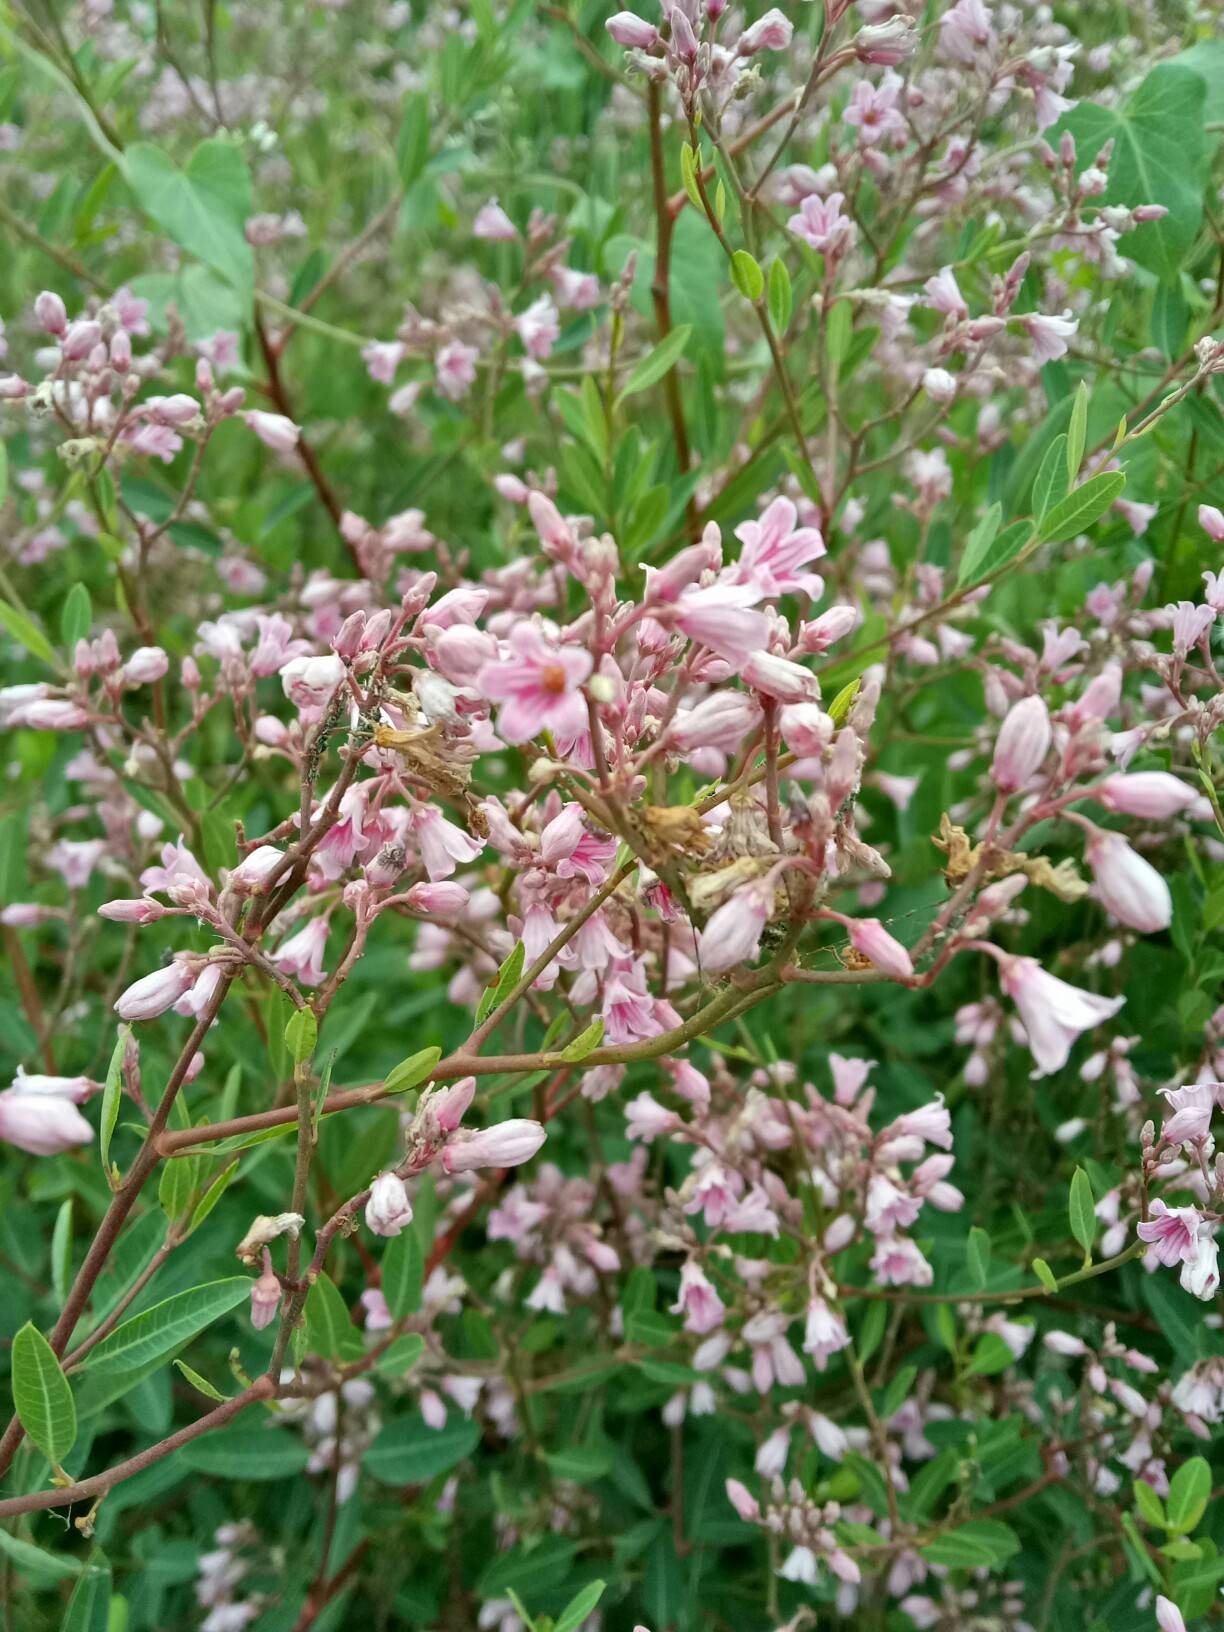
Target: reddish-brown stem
[660,288]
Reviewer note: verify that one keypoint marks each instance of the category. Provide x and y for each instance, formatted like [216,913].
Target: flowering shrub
[611,849]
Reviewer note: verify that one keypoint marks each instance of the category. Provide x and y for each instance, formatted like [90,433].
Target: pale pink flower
[965,33]
[1049,335]
[1054,1013]
[1128,886]
[1192,1108]
[275,431]
[821,223]
[538,327]
[443,846]
[1022,744]
[632,31]
[699,1303]
[721,616]
[265,1295]
[388,1210]
[1168,1616]
[301,956]
[873,110]
[1153,794]
[39,1114]
[538,687]
[869,937]
[455,369]
[152,995]
[508,1144]
[772,32]
[943,294]
[494,224]
[776,550]
[732,935]
[744,1503]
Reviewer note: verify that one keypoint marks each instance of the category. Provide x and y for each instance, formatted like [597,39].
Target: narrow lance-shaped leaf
[42,1395]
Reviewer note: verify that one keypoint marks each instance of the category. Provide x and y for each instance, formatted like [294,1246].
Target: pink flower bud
[631,31]
[445,898]
[769,33]
[509,1144]
[1022,744]
[179,409]
[450,1106]
[265,1295]
[868,936]
[121,351]
[1127,886]
[146,664]
[743,1501]
[273,430]
[80,338]
[51,313]
[140,910]
[1154,794]
[152,995]
[25,915]
[49,714]
[388,1209]
[346,642]
[254,871]
[778,677]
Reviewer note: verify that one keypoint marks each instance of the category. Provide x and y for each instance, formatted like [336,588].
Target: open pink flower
[1054,1013]
[538,686]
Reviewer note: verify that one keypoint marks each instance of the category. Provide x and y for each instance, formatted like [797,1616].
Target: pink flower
[1054,1013]
[1211,520]
[1049,334]
[1173,1233]
[39,1114]
[1168,1616]
[824,1333]
[538,327]
[443,898]
[145,999]
[443,845]
[146,664]
[301,956]
[509,1144]
[1154,794]
[868,936]
[494,224]
[873,110]
[1022,744]
[1192,1109]
[721,617]
[965,34]
[898,1262]
[1128,886]
[821,224]
[943,294]
[538,687]
[646,1119]
[732,935]
[632,31]
[699,1303]
[455,369]
[775,551]
[275,431]
[382,358]
[744,1503]
[772,32]
[255,869]
[721,720]
[50,312]
[265,1295]
[388,1210]
[779,678]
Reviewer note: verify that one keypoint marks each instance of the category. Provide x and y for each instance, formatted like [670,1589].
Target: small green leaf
[157,1334]
[412,143]
[400,1357]
[585,1043]
[1051,484]
[977,1254]
[977,545]
[201,1384]
[1045,1274]
[89,1607]
[76,617]
[781,296]
[1083,1211]
[402,1273]
[507,978]
[42,1396]
[1082,507]
[408,1073]
[1150,1506]
[301,1034]
[61,1251]
[34,1564]
[747,276]
[27,633]
[112,1096]
[689,161]
[579,1607]
[991,1355]
[841,705]
[1189,1493]
[657,363]
[211,1197]
[329,1326]
[1077,432]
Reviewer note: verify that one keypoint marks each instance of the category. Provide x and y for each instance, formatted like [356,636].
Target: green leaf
[402,1272]
[747,276]
[76,618]
[1051,484]
[657,363]
[688,175]
[990,1356]
[27,633]
[1189,1493]
[202,207]
[580,1464]
[579,1607]
[1077,432]
[585,1043]
[1045,1274]
[401,1355]
[329,1326]
[1159,157]
[42,1395]
[507,978]
[157,1334]
[412,143]
[211,1197]
[408,1073]
[202,1384]
[1150,1506]
[781,296]
[301,1034]
[35,1563]
[841,705]
[977,1253]
[1082,507]
[61,1251]
[409,1452]
[977,545]
[979,1544]
[1000,552]
[89,1607]
[255,1451]
[1082,1210]
[112,1096]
